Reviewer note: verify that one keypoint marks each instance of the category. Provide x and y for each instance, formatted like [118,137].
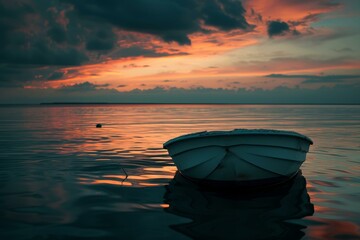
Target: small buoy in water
[98,125]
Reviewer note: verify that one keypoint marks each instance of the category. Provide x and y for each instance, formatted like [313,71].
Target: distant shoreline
[132,103]
[154,103]
[72,103]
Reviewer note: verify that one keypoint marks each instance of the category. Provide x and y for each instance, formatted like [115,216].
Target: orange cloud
[290,10]
[298,14]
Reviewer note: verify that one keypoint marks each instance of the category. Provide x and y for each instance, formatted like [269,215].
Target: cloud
[58,34]
[345,49]
[316,78]
[88,92]
[275,28]
[53,34]
[34,38]
[171,20]
[83,87]
[133,65]
[296,16]
[41,40]
[10,75]
[103,39]
[290,9]
[226,14]
[55,76]
[136,51]
[15,75]
[41,54]
[330,79]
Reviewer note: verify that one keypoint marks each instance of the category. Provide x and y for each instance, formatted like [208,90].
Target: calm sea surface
[62,178]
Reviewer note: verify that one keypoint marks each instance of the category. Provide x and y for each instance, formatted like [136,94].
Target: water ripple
[63,178]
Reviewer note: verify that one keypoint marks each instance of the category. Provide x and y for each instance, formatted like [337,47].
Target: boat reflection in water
[225,214]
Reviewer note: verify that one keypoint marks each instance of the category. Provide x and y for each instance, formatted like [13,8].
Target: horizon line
[168,103]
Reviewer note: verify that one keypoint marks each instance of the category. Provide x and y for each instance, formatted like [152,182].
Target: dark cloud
[315,3]
[33,44]
[103,39]
[41,33]
[55,76]
[226,14]
[83,87]
[133,65]
[275,28]
[171,20]
[88,92]
[40,53]
[256,16]
[136,51]
[99,44]
[30,35]
[345,49]
[10,75]
[335,94]
[330,78]
[316,78]
[15,75]
[276,75]
[57,33]
[305,21]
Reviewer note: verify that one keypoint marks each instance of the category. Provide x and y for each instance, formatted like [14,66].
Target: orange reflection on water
[150,176]
[317,197]
[104,181]
[140,177]
[322,209]
[168,169]
[127,129]
[134,180]
[112,182]
[333,229]
[149,184]
[164,205]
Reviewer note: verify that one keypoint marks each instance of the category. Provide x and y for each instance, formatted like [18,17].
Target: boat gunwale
[236,132]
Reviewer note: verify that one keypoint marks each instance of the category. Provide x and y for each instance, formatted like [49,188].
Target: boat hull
[247,155]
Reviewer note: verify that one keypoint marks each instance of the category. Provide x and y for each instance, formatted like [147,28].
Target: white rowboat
[240,155]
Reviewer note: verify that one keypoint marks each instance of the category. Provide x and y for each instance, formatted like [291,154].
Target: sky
[180,51]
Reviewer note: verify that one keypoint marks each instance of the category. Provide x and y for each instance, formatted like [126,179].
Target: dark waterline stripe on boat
[249,185]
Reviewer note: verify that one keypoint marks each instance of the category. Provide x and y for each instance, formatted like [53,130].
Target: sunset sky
[208,51]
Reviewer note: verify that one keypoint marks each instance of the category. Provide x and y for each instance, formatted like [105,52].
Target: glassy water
[63,178]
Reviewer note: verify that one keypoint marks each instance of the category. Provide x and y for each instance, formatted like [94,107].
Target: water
[63,178]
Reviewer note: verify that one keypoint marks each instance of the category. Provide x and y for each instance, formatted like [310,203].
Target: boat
[249,157]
